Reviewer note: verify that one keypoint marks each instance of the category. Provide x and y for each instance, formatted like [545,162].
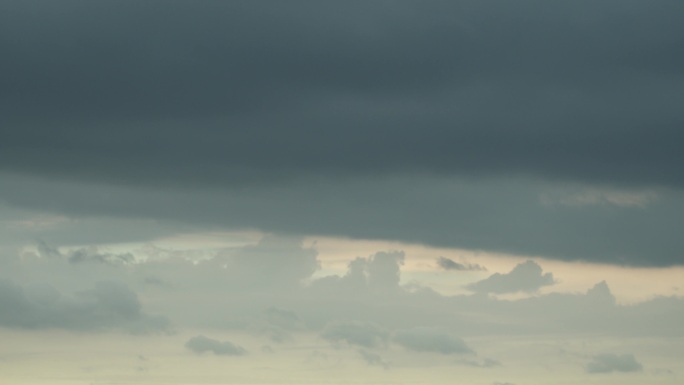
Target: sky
[359,192]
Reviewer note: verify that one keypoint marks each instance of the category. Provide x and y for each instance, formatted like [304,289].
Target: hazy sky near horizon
[482,192]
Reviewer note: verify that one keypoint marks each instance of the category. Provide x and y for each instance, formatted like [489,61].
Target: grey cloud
[526,276]
[201,344]
[92,255]
[383,269]
[108,305]
[279,324]
[316,305]
[595,311]
[601,293]
[81,255]
[273,264]
[301,118]
[364,334]
[47,251]
[609,362]
[472,214]
[275,260]
[284,319]
[156,282]
[373,359]
[379,273]
[485,363]
[189,92]
[431,340]
[450,264]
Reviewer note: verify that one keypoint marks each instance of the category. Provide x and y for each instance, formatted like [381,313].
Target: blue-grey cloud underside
[488,215]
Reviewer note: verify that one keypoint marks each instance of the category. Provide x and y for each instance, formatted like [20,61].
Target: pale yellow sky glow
[331,331]
[113,358]
[628,284]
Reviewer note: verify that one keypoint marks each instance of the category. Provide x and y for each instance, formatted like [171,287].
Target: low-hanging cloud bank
[505,216]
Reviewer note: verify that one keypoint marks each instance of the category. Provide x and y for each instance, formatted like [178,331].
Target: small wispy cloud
[450,264]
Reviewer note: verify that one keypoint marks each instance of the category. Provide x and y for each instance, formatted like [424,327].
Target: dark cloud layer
[231,92]
[300,117]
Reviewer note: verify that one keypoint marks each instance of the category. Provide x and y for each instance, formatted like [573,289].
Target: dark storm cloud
[299,115]
[176,92]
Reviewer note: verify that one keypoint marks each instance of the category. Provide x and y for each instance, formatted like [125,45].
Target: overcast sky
[262,192]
